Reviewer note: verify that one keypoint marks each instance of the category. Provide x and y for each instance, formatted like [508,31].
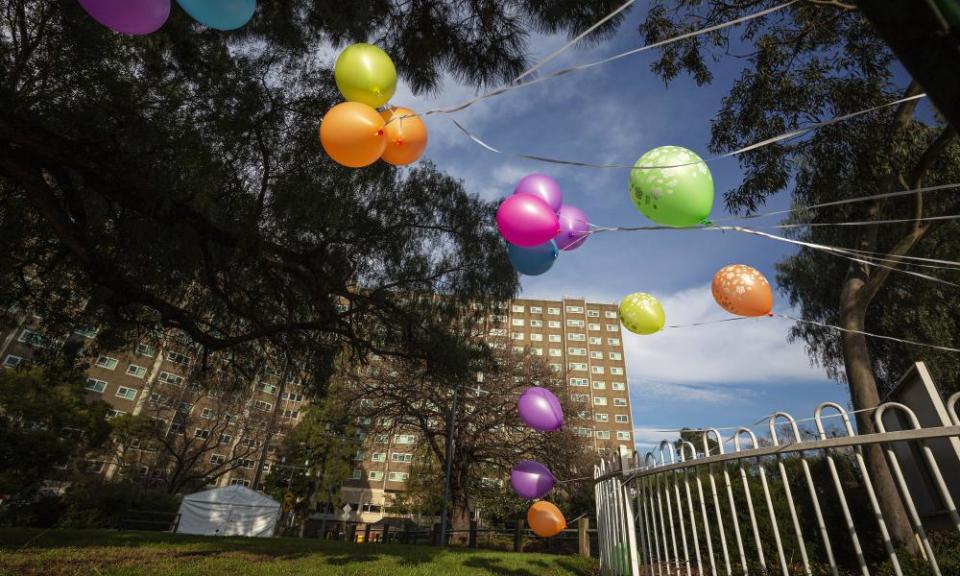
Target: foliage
[46,423]
[101,504]
[67,552]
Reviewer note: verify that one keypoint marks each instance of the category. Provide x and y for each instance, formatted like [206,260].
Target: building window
[575,309]
[12,361]
[178,358]
[536,337]
[579,382]
[613,341]
[518,349]
[201,433]
[378,457]
[601,417]
[401,457]
[516,335]
[170,378]
[537,351]
[126,393]
[599,401]
[593,313]
[599,385]
[622,419]
[240,482]
[596,341]
[356,474]
[185,408]
[404,439]
[111,414]
[381,439]
[619,401]
[136,371]
[267,388]
[217,459]
[208,414]
[556,352]
[359,456]
[517,322]
[603,434]
[398,476]
[583,432]
[610,314]
[536,310]
[225,439]
[554,367]
[576,337]
[577,367]
[575,323]
[107,362]
[554,338]
[290,414]
[598,370]
[96,385]
[375,475]
[498,332]
[536,323]
[619,386]
[553,311]
[580,397]
[88,333]
[616,371]
[517,308]
[612,328]
[94,466]
[291,397]
[146,350]
[615,355]
[32,338]
[623,435]
[577,351]
[594,327]
[596,355]
[263,406]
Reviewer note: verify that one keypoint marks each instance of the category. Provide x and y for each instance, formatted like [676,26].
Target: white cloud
[730,353]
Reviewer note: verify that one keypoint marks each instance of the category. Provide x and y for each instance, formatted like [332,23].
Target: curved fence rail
[801,501]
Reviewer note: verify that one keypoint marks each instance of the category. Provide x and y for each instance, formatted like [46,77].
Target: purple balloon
[574,228]
[531,480]
[540,409]
[137,17]
[543,187]
[527,221]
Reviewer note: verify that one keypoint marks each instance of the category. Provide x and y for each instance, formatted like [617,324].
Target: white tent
[228,511]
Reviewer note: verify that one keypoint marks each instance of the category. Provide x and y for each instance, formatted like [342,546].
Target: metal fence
[792,503]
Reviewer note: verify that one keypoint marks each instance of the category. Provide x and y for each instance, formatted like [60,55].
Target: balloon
[406,136]
[543,187]
[540,409]
[680,196]
[531,480]
[574,228]
[641,313]
[545,519]
[742,290]
[526,220]
[352,134]
[533,261]
[137,17]
[220,14]
[364,73]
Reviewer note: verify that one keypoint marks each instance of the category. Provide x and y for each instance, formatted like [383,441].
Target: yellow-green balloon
[364,73]
[680,194]
[641,313]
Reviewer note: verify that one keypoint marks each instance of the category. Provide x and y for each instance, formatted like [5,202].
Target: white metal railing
[762,507]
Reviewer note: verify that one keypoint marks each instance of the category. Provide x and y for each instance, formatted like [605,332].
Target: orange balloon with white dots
[406,136]
[742,290]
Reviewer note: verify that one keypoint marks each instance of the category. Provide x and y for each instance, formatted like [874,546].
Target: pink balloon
[526,220]
[543,187]
[137,17]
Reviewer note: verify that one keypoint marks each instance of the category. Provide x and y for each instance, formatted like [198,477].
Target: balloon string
[756,145]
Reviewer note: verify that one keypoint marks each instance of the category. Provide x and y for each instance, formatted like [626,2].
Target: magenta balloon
[526,220]
[137,17]
[531,480]
[540,409]
[574,228]
[543,187]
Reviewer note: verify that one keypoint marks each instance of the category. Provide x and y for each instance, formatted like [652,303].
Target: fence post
[405,535]
[352,533]
[583,537]
[435,535]
[518,537]
[386,533]
[472,542]
[366,533]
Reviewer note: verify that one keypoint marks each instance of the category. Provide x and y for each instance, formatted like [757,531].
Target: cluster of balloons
[672,186]
[537,224]
[141,17]
[737,288]
[354,133]
[540,409]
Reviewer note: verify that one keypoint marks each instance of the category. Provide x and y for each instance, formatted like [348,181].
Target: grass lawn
[104,552]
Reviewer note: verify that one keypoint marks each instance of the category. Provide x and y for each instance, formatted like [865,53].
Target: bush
[104,504]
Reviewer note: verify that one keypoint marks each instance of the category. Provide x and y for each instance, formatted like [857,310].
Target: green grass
[110,553]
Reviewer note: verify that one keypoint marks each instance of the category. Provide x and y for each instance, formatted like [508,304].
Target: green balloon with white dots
[642,314]
[680,194]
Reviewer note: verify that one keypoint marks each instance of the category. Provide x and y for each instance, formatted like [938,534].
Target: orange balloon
[352,134]
[742,290]
[545,519]
[406,136]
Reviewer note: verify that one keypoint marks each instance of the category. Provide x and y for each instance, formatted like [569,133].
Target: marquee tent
[228,511]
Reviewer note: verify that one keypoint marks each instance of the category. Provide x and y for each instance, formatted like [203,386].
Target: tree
[489,438]
[810,61]
[175,180]
[47,424]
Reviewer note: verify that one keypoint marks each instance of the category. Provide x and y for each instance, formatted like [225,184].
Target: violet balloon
[540,409]
[136,17]
[574,228]
[525,220]
[543,187]
[531,480]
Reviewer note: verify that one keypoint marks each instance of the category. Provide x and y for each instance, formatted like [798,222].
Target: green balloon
[642,314]
[681,196]
[364,73]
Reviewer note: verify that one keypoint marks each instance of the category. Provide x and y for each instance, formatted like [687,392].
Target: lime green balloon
[364,73]
[680,196]
[641,313]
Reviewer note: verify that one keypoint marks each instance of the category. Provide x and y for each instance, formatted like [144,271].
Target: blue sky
[722,375]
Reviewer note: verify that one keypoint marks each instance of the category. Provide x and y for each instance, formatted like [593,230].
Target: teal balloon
[680,194]
[220,14]
[535,260]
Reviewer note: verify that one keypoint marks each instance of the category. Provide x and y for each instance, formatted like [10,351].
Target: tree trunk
[864,394]
[461,517]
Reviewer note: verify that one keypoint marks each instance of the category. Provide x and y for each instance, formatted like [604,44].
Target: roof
[234,496]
